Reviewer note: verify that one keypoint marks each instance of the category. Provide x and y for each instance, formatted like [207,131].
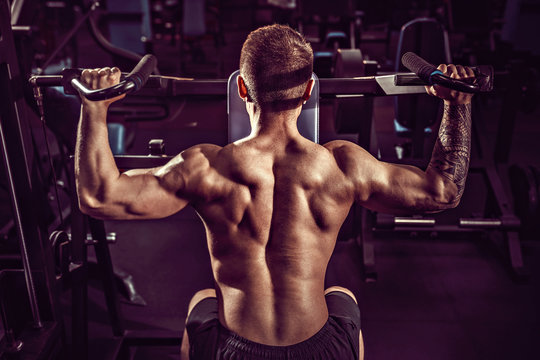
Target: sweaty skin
[272,204]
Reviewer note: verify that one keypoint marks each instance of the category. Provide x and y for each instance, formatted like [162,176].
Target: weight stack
[353,114]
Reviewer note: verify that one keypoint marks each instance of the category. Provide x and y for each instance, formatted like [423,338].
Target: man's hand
[99,79]
[452,97]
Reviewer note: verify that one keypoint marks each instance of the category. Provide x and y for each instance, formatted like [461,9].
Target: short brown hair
[276,63]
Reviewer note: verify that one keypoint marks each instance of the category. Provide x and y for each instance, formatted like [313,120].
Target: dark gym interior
[461,284]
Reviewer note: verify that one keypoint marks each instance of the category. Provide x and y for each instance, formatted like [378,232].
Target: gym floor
[445,297]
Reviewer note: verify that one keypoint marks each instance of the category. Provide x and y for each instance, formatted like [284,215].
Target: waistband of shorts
[315,344]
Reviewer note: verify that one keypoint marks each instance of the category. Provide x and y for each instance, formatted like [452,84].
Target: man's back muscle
[272,220]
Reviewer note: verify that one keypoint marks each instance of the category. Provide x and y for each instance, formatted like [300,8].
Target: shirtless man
[272,205]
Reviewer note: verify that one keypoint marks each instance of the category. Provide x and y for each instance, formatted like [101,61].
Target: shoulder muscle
[187,174]
[358,165]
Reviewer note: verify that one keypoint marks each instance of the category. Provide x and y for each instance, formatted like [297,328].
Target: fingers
[86,76]
[101,77]
[455,72]
[461,71]
[437,90]
[442,68]
[432,90]
[115,72]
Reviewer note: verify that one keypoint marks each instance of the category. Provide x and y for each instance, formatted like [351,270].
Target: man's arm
[106,193]
[402,189]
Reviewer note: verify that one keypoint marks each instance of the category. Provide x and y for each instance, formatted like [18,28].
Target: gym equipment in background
[392,84]
[32,324]
[415,115]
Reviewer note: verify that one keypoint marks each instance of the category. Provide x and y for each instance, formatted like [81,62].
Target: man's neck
[274,123]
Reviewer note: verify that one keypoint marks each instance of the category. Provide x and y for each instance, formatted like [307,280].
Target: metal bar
[406,221]
[464,225]
[79,279]
[515,254]
[47,80]
[480,223]
[97,228]
[24,30]
[16,8]
[68,37]
[408,79]
[380,85]
[498,191]
[180,87]
[436,228]
[384,221]
[98,94]
[26,188]
[7,111]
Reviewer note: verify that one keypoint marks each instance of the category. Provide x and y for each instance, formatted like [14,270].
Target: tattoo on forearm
[452,149]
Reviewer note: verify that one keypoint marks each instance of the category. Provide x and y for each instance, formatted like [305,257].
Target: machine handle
[134,81]
[482,81]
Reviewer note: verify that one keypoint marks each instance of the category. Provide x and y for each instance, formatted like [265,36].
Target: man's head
[276,64]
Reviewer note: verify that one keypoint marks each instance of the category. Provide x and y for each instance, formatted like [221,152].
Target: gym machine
[31,316]
[141,80]
[74,264]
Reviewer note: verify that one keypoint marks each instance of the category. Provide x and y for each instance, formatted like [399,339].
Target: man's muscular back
[272,210]
[273,203]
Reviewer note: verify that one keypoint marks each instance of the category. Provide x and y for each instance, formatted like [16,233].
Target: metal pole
[30,287]
[68,37]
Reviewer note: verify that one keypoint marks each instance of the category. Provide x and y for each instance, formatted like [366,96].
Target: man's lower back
[337,339]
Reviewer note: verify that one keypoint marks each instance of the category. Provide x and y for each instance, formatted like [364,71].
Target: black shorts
[338,338]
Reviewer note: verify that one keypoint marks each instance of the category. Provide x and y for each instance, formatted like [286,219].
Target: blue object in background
[117,135]
[129,24]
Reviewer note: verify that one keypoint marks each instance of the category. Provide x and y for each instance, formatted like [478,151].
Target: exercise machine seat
[240,127]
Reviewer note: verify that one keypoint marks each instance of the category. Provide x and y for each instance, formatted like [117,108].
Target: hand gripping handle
[132,82]
[482,81]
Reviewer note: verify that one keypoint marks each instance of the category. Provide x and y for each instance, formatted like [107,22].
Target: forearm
[95,169]
[451,154]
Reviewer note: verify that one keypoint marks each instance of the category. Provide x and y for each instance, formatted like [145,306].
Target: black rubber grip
[142,71]
[418,66]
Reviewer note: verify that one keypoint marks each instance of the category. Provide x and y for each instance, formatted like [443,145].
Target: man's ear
[309,88]
[242,89]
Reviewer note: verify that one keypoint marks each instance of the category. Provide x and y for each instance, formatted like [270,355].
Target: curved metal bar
[456,84]
[121,88]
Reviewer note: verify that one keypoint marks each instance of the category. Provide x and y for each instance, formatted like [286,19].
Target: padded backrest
[240,127]
[427,38]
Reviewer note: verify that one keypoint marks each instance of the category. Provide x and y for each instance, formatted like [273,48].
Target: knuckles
[456,71]
[99,78]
